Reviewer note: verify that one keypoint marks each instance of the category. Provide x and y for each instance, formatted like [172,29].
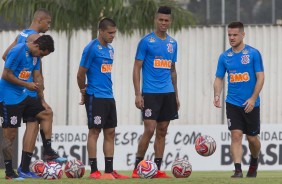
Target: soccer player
[22,61]
[244,67]
[156,56]
[40,24]
[96,65]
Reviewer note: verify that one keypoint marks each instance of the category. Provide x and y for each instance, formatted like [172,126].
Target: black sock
[46,142]
[158,161]
[238,167]
[8,166]
[138,159]
[22,158]
[254,161]
[93,164]
[26,161]
[109,164]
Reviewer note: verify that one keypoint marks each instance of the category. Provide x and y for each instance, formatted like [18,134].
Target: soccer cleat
[135,174]
[237,174]
[252,172]
[26,174]
[12,176]
[113,175]
[95,174]
[161,174]
[51,155]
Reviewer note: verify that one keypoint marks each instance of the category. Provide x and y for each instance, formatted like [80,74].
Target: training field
[264,177]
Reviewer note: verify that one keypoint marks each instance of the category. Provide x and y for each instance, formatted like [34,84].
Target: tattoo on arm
[7,146]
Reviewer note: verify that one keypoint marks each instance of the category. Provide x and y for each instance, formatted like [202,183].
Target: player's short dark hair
[42,11]
[239,25]
[105,23]
[164,10]
[45,42]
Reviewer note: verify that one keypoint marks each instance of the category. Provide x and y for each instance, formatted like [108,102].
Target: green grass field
[264,177]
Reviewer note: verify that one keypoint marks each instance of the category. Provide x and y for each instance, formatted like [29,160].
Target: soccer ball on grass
[53,171]
[181,168]
[147,169]
[74,169]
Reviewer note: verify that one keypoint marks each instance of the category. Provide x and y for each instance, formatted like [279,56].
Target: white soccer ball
[205,145]
[38,167]
[53,171]
[147,169]
[74,169]
[181,168]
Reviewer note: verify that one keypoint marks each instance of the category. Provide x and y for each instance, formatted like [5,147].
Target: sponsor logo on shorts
[14,120]
[1,120]
[162,63]
[229,122]
[239,77]
[148,112]
[97,120]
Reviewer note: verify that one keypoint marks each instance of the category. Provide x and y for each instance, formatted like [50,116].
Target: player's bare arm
[250,103]
[9,76]
[218,82]
[139,101]
[9,48]
[81,78]
[174,82]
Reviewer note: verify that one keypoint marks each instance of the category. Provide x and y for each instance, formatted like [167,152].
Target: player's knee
[253,139]
[10,134]
[149,131]
[49,112]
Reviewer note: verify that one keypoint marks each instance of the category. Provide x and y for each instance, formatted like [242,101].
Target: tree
[70,15]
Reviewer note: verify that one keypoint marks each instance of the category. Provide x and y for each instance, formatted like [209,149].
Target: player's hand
[32,86]
[177,103]
[82,100]
[139,101]
[249,105]
[216,101]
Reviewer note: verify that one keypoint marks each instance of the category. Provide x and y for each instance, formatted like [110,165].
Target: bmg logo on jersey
[24,75]
[162,63]
[239,77]
[106,68]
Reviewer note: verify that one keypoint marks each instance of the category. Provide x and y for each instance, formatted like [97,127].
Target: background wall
[199,49]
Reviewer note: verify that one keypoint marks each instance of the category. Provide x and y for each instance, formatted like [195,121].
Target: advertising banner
[71,141]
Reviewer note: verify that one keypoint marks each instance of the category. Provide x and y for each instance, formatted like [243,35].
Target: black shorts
[101,112]
[11,115]
[33,108]
[237,119]
[160,106]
